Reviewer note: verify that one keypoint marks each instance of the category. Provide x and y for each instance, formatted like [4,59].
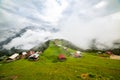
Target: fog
[105,30]
[79,21]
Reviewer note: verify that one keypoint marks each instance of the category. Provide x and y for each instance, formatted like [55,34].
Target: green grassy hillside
[48,67]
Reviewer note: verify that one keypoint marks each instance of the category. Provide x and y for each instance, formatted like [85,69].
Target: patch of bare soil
[115,57]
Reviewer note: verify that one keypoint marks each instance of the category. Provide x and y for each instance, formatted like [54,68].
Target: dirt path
[115,57]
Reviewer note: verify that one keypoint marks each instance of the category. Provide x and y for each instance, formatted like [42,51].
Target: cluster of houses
[34,56]
[62,57]
[31,55]
[106,52]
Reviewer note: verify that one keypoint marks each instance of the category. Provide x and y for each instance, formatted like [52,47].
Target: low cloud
[29,39]
[84,25]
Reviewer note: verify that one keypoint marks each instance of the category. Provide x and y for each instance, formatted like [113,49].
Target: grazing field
[48,67]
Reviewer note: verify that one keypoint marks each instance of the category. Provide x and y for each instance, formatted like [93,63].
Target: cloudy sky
[79,21]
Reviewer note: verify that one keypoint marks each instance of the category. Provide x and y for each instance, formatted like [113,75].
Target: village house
[34,56]
[24,54]
[77,54]
[61,57]
[65,48]
[59,45]
[13,57]
[30,53]
[109,52]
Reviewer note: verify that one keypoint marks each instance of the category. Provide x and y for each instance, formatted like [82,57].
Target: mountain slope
[59,41]
[49,68]
[40,47]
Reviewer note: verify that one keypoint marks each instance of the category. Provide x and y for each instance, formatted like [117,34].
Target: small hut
[65,48]
[24,54]
[77,54]
[59,45]
[34,56]
[30,53]
[109,52]
[61,57]
[13,57]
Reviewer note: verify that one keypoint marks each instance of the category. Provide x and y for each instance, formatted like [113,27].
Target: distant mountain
[41,47]
[45,45]
[70,45]
[22,31]
[43,29]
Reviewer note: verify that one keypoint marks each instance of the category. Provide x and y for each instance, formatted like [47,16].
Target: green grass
[98,68]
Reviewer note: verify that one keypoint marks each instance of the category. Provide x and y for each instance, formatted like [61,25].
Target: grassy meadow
[48,67]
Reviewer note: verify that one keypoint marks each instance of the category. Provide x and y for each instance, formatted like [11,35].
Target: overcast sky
[79,21]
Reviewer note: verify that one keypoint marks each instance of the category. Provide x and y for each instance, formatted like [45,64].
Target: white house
[77,54]
[34,56]
[24,53]
[13,57]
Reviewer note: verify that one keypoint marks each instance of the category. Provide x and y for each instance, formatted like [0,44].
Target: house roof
[14,56]
[61,56]
[78,52]
[35,55]
[24,53]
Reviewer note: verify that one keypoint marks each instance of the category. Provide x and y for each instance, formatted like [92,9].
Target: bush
[104,55]
[116,51]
